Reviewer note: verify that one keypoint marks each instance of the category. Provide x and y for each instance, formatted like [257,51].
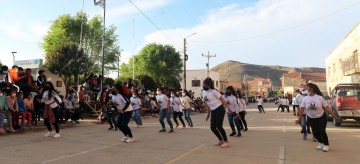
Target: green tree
[66,29]
[67,60]
[160,62]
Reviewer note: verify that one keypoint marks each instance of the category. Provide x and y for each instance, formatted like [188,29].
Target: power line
[154,24]
[286,29]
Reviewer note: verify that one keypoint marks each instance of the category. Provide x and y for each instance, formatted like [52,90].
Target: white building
[37,64]
[342,64]
[195,78]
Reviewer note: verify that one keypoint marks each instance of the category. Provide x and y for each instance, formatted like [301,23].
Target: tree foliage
[66,29]
[160,62]
[66,61]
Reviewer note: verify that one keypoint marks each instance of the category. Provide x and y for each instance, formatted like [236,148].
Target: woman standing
[51,111]
[136,104]
[29,106]
[233,116]
[242,105]
[214,103]
[176,106]
[260,103]
[124,108]
[314,105]
[186,101]
[164,106]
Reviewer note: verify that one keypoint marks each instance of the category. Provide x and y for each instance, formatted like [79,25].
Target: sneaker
[239,135]
[162,130]
[48,134]
[12,130]
[184,126]
[140,126]
[111,128]
[57,135]
[225,145]
[325,148]
[2,131]
[246,129]
[314,139]
[177,126]
[218,143]
[171,131]
[124,139]
[136,126]
[232,134]
[130,140]
[304,136]
[320,146]
[191,125]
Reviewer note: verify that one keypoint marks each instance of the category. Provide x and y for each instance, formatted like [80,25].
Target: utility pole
[207,64]
[185,58]
[102,3]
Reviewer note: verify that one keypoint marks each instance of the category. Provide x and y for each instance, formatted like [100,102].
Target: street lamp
[102,4]
[185,58]
[13,53]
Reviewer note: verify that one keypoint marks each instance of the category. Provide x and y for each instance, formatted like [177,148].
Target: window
[195,83]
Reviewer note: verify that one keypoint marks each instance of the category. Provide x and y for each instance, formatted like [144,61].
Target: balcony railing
[351,65]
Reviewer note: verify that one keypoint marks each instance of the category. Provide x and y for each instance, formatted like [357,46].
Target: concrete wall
[200,75]
[345,49]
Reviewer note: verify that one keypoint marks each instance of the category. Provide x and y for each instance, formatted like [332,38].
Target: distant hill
[236,70]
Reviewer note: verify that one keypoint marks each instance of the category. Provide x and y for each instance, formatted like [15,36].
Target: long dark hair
[231,88]
[119,87]
[51,89]
[208,81]
[315,88]
[239,94]
[187,93]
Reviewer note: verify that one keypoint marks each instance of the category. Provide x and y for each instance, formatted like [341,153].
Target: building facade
[259,86]
[195,78]
[342,64]
[291,81]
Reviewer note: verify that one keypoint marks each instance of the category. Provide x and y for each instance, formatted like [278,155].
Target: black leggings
[295,107]
[122,123]
[243,121]
[217,119]
[56,123]
[111,119]
[318,126]
[261,108]
[176,115]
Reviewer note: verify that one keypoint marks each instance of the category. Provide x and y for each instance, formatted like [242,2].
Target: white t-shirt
[232,102]
[260,101]
[242,105]
[314,105]
[46,100]
[162,101]
[120,102]
[299,98]
[285,102]
[175,104]
[186,101]
[212,98]
[135,102]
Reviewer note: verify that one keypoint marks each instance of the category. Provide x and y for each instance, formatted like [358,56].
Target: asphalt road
[272,138]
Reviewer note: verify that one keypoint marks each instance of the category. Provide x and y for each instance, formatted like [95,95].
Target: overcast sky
[267,32]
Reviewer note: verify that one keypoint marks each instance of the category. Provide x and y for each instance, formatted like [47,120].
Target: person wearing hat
[41,79]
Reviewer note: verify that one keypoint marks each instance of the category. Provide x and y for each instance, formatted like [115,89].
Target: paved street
[272,138]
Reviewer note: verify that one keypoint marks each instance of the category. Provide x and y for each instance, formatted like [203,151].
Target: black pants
[111,119]
[243,121]
[318,126]
[123,123]
[56,123]
[261,108]
[216,125]
[287,108]
[176,115]
[280,107]
[295,107]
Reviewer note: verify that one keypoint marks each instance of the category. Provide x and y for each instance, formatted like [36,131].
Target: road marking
[185,154]
[282,150]
[84,152]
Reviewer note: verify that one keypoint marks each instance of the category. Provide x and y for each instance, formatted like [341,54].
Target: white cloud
[311,42]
